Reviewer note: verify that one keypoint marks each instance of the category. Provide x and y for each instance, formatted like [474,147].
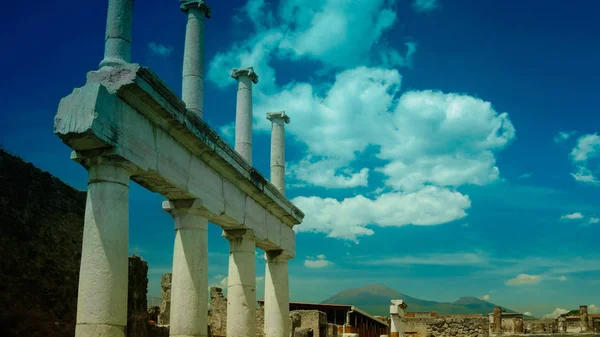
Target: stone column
[192,87]
[497,324]
[243,111]
[584,318]
[278,121]
[103,275]
[117,47]
[189,285]
[241,284]
[277,294]
[397,318]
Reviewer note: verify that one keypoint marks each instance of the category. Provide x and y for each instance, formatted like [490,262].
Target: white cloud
[585,156]
[160,49]
[260,279]
[486,297]
[360,113]
[594,220]
[527,313]
[563,136]
[320,261]
[572,216]
[562,278]
[557,312]
[348,218]
[453,259]
[425,5]
[593,309]
[522,279]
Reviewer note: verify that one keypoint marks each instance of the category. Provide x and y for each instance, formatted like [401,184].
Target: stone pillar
[241,283]
[397,318]
[243,111]
[277,294]
[192,87]
[189,287]
[103,275]
[117,47]
[584,318]
[562,324]
[497,324]
[278,121]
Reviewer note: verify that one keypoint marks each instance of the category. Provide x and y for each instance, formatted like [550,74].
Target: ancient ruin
[125,124]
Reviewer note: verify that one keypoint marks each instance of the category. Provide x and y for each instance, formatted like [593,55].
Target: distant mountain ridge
[375,299]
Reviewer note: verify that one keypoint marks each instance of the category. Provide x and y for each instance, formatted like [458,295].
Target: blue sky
[445,148]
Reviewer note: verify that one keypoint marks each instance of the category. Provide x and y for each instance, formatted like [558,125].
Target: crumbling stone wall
[165,299]
[40,242]
[446,327]
[217,319]
[316,320]
[540,325]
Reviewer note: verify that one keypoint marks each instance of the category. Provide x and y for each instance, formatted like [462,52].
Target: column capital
[108,157]
[236,234]
[278,116]
[249,72]
[182,207]
[186,5]
[278,256]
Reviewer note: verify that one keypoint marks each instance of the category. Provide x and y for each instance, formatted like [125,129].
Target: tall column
[497,325]
[243,111]
[189,295]
[102,293]
[117,46]
[192,87]
[277,295]
[584,318]
[241,284]
[397,318]
[278,121]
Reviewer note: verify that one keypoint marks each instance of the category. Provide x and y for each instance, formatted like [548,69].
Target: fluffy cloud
[160,50]
[320,261]
[562,278]
[563,136]
[425,5]
[522,279]
[348,218]
[486,297]
[357,124]
[557,312]
[572,216]
[593,309]
[594,220]
[527,313]
[585,157]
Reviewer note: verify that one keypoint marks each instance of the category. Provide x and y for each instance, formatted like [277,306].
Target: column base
[99,330]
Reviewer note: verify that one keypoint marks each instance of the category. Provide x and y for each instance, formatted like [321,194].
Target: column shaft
[102,293]
[189,295]
[243,118]
[117,47]
[277,296]
[241,287]
[278,154]
[193,61]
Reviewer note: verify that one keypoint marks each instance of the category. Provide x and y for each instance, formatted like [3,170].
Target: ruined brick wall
[446,327]
[40,250]
[137,304]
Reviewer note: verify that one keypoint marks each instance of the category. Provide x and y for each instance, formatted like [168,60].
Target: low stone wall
[446,327]
[540,325]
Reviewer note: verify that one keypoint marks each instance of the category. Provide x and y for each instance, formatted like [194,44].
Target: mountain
[375,299]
